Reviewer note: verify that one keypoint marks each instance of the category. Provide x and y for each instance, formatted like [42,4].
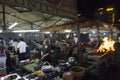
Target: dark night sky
[87,7]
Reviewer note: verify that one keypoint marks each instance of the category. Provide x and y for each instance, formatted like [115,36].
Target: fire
[106,46]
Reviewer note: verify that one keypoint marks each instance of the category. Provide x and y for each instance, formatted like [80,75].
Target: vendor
[36,55]
[47,49]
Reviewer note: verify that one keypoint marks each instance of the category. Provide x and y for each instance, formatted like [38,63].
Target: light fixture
[20,34]
[84,32]
[74,34]
[90,35]
[67,35]
[13,25]
[22,31]
[106,26]
[104,33]
[47,32]
[93,32]
[1,31]
[118,20]
[67,30]
[51,35]
[109,9]
[99,9]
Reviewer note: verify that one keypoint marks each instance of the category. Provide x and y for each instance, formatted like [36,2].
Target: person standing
[2,42]
[47,50]
[22,49]
[10,44]
[2,58]
[15,44]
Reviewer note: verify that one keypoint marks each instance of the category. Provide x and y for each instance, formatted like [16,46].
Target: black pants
[22,56]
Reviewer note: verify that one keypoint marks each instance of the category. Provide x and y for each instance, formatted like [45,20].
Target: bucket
[78,71]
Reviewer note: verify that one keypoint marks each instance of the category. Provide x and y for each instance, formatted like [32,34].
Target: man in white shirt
[15,45]
[22,49]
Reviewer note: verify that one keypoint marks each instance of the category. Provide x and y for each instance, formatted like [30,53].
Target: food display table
[29,67]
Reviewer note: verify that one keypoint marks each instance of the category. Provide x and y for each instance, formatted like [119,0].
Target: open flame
[106,46]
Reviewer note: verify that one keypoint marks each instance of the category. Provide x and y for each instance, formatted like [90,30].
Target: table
[29,67]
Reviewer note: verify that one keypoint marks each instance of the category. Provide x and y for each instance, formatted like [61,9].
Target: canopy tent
[44,15]
[35,14]
[87,26]
[30,19]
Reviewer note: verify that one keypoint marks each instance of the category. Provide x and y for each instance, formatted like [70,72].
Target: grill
[97,57]
[99,62]
[101,59]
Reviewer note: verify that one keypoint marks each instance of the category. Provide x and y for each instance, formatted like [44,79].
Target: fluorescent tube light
[67,30]
[22,31]
[1,31]
[13,25]
[47,32]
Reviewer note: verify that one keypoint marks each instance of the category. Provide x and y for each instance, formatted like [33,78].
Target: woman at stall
[47,49]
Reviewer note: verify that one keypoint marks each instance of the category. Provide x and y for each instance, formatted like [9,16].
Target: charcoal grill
[97,58]
[99,61]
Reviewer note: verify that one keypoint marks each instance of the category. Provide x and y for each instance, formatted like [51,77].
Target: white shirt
[22,46]
[11,43]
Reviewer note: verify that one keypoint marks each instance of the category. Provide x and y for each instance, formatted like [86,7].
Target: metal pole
[113,20]
[80,55]
[78,32]
[111,31]
[98,37]
[111,11]
[32,34]
[4,25]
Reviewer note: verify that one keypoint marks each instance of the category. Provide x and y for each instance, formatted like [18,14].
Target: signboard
[63,8]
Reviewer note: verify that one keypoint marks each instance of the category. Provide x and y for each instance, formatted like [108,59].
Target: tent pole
[4,25]
[80,55]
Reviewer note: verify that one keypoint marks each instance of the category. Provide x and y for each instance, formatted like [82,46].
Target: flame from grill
[107,45]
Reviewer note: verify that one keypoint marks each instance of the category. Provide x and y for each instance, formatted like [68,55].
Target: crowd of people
[10,48]
[47,50]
